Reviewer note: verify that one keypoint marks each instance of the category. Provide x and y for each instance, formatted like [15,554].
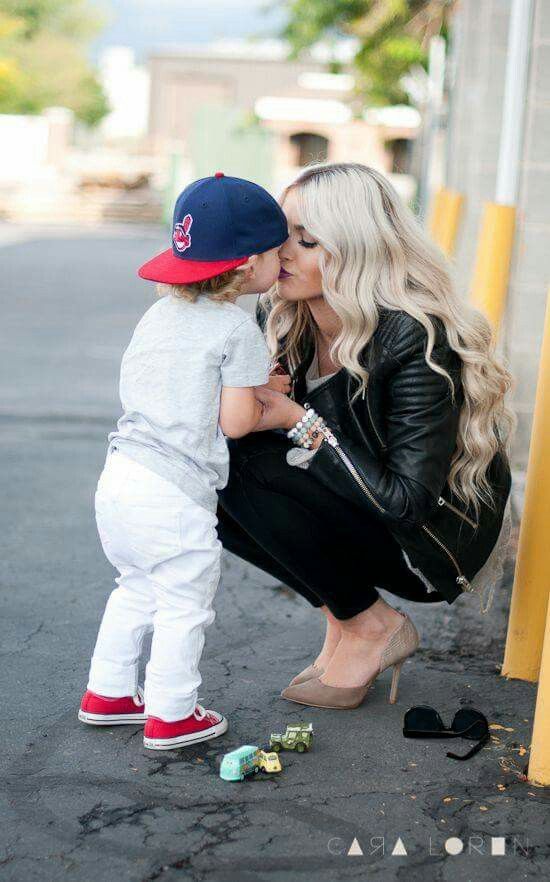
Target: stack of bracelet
[306,429]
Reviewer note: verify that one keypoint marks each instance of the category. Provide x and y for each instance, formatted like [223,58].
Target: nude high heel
[307,674]
[400,644]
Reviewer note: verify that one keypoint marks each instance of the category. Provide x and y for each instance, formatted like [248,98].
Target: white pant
[167,552]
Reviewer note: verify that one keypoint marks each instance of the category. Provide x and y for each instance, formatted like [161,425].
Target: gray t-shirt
[179,357]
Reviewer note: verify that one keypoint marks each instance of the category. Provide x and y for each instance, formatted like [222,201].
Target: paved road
[84,804]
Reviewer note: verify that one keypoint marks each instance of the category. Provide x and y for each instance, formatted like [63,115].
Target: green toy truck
[297,737]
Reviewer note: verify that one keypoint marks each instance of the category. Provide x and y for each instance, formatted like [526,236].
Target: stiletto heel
[395,682]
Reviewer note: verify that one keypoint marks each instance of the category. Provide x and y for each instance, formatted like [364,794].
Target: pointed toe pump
[400,644]
[308,673]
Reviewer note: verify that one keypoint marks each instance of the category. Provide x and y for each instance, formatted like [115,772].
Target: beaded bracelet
[302,424]
[307,428]
[313,431]
[317,427]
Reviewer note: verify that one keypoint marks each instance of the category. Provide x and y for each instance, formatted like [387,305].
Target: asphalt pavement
[87,804]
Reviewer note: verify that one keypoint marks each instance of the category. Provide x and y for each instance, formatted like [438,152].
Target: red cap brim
[172,270]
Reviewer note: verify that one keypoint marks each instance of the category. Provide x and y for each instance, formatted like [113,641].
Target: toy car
[248,760]
[297,737]
[269,761]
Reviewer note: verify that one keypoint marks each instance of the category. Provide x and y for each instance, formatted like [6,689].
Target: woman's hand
[279,411]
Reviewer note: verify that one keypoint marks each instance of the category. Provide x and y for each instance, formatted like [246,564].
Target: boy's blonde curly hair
[226,286]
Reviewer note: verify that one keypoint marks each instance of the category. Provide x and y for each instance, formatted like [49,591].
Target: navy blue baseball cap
[219,222]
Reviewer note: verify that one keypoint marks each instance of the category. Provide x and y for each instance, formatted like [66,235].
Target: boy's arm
[240,411]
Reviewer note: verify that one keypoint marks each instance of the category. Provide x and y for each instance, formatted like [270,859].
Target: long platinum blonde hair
[374,254]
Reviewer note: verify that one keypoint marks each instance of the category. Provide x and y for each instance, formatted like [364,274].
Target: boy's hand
[279,381]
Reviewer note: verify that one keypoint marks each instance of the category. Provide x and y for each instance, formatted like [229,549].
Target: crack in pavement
[100,818]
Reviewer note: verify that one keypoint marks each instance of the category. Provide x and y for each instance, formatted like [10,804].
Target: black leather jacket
[391,450]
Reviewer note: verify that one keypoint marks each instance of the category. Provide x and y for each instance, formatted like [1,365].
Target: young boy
[187,379]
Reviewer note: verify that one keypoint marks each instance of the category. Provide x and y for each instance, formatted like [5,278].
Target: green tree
[43,59]
[393,35]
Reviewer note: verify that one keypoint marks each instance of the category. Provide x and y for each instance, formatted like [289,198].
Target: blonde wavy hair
[226,286]
[374,254]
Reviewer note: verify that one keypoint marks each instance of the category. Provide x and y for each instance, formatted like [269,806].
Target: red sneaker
[98,710]
[200,726]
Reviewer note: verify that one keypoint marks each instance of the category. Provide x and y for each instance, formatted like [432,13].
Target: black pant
[282,519]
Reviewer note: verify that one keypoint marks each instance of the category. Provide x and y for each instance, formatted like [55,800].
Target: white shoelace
[200,713]
[138,698]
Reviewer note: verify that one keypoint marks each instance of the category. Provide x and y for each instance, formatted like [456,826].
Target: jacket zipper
[365,397]
[330,437]
[442,501]
[333,441]
[460,579]
[358,424]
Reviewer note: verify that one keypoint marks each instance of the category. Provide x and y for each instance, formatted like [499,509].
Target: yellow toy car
[269,761]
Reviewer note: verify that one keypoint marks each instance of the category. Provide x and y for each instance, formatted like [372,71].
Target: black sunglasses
[422,721]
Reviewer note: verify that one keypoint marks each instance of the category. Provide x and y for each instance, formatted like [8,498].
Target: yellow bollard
[445,219]
[532,574]
[494,256]
[539,760]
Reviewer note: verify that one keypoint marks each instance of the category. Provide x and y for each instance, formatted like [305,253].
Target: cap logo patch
[182,236]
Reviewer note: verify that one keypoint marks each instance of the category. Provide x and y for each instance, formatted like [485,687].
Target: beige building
[300,112]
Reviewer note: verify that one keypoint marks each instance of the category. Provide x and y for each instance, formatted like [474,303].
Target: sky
[146,25]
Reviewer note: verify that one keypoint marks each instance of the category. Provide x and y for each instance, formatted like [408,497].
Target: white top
[312,375]
[179,357]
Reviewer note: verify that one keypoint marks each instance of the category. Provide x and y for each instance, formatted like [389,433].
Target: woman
[406,485]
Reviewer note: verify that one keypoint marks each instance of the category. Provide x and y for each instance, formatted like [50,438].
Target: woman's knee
[256,459]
